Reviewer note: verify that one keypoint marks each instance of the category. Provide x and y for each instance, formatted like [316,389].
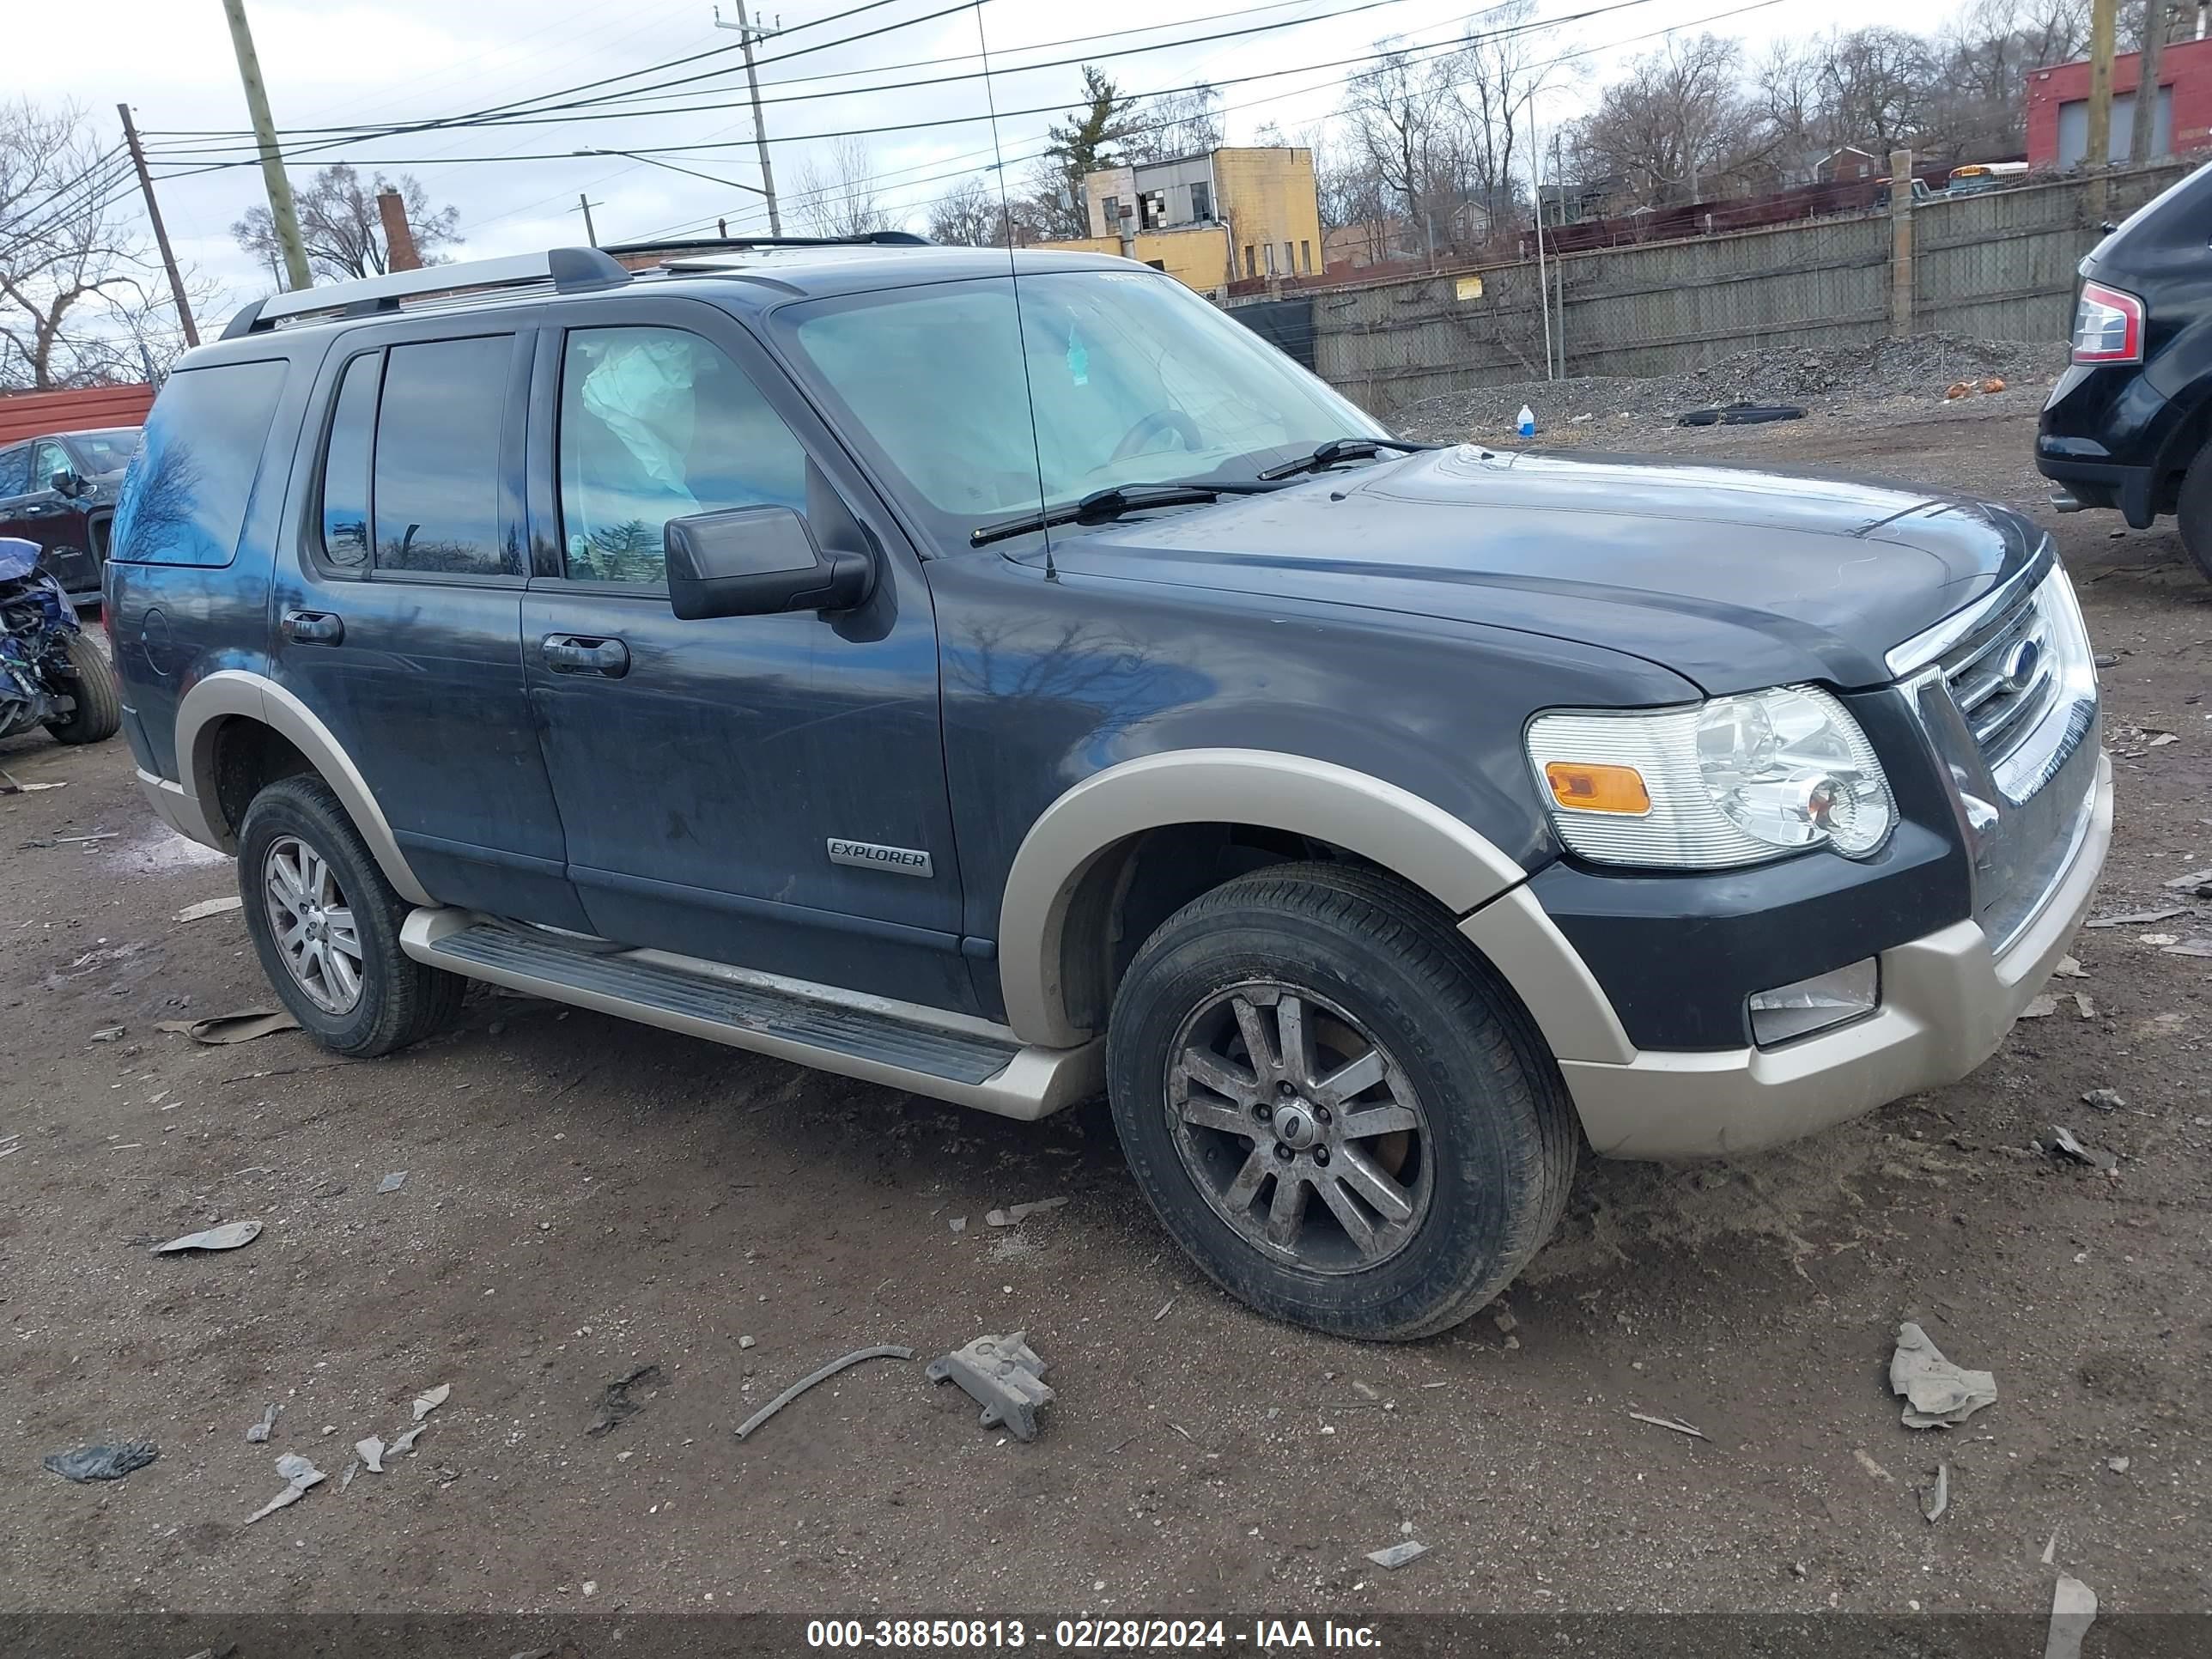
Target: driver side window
[657,424]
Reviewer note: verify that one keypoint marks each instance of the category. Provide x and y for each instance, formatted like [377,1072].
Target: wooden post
[2097,145]
[1900,245]
[399,251]
[2142,146]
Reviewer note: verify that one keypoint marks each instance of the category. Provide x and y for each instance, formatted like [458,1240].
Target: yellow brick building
[1227,215]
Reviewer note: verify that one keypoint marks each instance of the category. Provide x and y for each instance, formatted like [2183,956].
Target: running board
[970,1062]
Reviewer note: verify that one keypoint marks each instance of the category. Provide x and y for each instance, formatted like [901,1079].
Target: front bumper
[1948,1002]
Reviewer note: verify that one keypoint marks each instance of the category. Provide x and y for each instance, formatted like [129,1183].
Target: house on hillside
[1849,165]
[1211,219]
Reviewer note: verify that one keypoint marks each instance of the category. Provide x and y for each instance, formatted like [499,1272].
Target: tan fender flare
[236,692]
[1380,821]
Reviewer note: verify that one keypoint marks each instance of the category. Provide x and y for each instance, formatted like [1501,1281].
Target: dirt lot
[584,1197]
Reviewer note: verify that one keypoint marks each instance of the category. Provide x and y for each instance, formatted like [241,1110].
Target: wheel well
[248,757]
[1133,886]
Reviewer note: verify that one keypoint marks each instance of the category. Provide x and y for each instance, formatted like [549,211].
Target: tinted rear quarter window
[345,466]
[437,498]
[186,495]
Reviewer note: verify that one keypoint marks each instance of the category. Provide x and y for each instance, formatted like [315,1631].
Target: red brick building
[34,414]
[2058,106]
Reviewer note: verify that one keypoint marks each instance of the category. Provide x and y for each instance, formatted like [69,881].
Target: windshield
[108,450]
[1135,380]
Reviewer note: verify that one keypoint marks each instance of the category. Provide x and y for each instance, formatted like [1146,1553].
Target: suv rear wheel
[2193,510]
[1333,1107]
[326,925]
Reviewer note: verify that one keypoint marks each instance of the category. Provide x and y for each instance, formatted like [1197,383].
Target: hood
[1733,577]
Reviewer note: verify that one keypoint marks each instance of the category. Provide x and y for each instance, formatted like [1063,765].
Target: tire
[294,832]
[1484,1173]
[99,713]
[2193,510]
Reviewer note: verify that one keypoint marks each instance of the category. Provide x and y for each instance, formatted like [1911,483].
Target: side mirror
[67,483]
[757,561]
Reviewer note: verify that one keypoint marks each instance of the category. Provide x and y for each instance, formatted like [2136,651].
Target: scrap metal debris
[258,1432]
[1397,1555]
[221,1031]
[2073,1610]
[1003,1375]
[2139,918]
[1673,1423]
[96,1462]
[228,1236]
[1939,1500]
[1019,1212]
[299,1474]
[887,1352]
[211,907]
[615,1403]
[1937,1394]
[2064,1145]
[2197,883]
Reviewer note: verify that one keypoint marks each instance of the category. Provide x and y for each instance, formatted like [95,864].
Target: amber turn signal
[1598,789]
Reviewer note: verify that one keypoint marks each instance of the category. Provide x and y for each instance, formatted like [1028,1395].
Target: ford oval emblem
[2017,671]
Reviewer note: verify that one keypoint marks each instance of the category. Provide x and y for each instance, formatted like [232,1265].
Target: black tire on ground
[1491,1164]
[2193,510]
[98,712]
[399,1001]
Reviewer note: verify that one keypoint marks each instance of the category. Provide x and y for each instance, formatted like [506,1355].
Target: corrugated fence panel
[33,414]
[2001,265]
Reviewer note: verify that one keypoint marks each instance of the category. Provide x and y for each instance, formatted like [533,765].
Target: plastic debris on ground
[228,1236]
[887,1350]
[2063,1143]
[614,1401]
[393,1182]
[1004,1376]
[1939,1499]
[1673,1423]
[430,1399]
[372,1454]
[110,1034]
[1397,1555]
[221,1031]
[2105,1100]
[210,908]
[1938,1394]
[2040,1007]
[1014,1213]
[258,1432]
[2138,918]
[299,1475]
[403,1444]
[2073,1610]
[96,1462]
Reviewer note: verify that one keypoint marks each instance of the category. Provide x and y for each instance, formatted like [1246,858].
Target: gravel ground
[586,1197]
[1889,375]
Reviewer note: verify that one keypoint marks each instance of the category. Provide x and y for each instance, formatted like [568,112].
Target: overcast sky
[358,62]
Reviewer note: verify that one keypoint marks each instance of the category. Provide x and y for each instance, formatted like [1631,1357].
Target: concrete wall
[1197,257]
[1999,264]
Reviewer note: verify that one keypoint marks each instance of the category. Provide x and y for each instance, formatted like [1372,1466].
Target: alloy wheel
[312,924]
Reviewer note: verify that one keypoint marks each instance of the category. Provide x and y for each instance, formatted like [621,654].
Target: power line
[1060,107]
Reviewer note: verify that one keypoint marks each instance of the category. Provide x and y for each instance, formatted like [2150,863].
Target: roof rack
[704,244]
[566,270]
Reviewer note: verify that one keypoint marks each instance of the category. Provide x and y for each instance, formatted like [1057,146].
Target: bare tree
[838,196]
[1395,115]
[1175,124]
[973,214]
[1985,53]
[1678,127]
[1491,80]
[82,300]
[342,228]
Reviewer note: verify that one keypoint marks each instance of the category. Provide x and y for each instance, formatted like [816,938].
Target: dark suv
[1003,679]
[58,491]
[2129,424]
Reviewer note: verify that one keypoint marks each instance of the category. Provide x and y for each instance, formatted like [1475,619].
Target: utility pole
[749,35]
[161,231]
[2142,143]
[585,208]
[281,214]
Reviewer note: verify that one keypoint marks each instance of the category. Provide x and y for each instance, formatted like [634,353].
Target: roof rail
[703,244]
[568,270]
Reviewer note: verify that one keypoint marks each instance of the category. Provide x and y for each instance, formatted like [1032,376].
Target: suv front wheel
[326,924]
[1334,1107]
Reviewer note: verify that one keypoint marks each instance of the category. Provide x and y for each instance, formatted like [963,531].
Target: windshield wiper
[1344,449]
[1103,506]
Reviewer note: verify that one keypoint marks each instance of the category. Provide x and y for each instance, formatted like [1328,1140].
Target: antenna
[1014,277]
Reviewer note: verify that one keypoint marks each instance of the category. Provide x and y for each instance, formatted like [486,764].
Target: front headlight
[1735,781]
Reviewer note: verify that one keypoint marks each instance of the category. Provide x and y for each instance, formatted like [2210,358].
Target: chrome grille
[2004,676]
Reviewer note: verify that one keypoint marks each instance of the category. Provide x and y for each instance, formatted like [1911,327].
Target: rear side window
[15,468]
[436,500]
[185,500]
[345,465]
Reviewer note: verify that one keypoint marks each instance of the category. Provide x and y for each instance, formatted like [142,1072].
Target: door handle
[583,653]
[313,627]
